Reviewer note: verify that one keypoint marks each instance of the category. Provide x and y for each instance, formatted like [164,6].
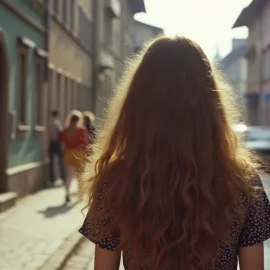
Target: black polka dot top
[256,229]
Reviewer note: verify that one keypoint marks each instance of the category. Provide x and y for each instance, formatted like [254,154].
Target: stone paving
[33,230]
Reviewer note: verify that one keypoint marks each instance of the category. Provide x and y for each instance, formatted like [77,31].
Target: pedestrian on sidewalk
[55,146]
[75,140]
[89,119]
[172,186]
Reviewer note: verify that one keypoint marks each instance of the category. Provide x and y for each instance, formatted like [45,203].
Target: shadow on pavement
[53,211]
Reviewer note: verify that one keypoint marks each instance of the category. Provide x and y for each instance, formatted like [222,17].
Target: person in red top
[75,140]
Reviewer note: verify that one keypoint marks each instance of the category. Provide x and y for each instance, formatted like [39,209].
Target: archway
[4,127]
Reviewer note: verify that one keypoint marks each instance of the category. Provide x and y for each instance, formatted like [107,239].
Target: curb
[62,254]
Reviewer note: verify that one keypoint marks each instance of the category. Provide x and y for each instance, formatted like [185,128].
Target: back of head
[89,118]
[55,113]
[74,119]
[173,163]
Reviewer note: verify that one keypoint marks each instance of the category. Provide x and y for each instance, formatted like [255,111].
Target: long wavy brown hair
[173,165]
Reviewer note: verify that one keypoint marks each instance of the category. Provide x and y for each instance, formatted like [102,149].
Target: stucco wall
[67,55]
[28,149]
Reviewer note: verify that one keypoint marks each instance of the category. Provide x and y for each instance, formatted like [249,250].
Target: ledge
[26,42]
[39,129]
[22,130]
[41,53]
[24,167]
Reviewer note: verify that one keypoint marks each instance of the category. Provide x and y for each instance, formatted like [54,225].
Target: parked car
[258,139]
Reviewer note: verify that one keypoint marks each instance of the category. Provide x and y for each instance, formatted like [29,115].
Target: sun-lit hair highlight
[174,166]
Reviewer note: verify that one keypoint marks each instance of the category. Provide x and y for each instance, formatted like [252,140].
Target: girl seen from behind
[89,119]
[171,184]
[75,140]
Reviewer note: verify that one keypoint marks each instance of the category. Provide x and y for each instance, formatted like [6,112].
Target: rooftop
[233,55]
[249,12]
[137,6]
[154,28]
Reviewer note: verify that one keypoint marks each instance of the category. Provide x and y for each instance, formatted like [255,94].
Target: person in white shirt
[55,146]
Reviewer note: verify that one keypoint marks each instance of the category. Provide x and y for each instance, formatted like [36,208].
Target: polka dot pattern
[256,229]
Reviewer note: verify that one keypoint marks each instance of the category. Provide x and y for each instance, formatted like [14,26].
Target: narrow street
[83,259]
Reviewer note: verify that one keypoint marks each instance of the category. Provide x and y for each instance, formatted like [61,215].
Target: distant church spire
[217,57]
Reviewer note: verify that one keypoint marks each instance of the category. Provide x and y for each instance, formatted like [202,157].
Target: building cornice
[137,6]
[249,12]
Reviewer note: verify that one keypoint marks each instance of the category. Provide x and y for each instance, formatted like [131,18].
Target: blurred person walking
[89,119]
[55,146]
[171,185]
[75,140]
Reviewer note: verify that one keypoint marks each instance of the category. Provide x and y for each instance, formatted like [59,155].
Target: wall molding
[25,167]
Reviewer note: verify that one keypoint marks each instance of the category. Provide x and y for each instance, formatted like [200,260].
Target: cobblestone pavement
[32,230]
[83,257]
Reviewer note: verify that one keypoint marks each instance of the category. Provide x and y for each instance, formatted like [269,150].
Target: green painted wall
[23,6]
[28,149]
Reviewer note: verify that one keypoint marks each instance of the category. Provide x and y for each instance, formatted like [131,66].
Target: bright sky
[208,22]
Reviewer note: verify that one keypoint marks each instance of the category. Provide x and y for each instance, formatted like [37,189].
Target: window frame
[40,64]
[22,108]
[65,12]
[72,12]
[55,7]
[66,97]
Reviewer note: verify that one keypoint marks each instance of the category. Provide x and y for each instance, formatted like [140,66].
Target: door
[4,83]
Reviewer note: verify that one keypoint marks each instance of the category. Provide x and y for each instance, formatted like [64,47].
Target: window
[65,11]
[51,98]
[85,28]
[72,15]
[70,102]
[80,33]
[58,90]
[108,30]
[66,97]
[22,85]
[39,91]
[74,95]
[55,6]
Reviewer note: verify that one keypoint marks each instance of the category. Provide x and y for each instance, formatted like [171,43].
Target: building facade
[234,66]
[143,33]
[64,54]
[70,57]
[23,26]
[257,18]
[114,43]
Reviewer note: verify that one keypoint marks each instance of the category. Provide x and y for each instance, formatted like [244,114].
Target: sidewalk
[35,228]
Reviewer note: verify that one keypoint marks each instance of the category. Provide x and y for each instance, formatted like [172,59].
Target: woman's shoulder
[255,182]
